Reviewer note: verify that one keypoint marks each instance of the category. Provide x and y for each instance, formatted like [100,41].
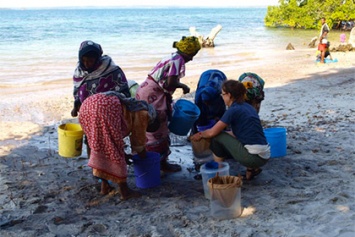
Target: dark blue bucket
[185,113]
[276,137]
[147,170]
[210,124]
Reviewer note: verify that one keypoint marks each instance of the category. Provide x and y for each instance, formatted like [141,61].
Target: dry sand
[309,192]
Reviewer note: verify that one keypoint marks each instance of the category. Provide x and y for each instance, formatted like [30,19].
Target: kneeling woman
[246,141]
[107,118]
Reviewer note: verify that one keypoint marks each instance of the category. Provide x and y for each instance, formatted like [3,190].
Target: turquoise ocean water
[41,45]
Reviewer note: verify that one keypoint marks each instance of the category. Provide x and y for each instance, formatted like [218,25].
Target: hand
[186,89]
[74,112]
[196,137]
[142,154]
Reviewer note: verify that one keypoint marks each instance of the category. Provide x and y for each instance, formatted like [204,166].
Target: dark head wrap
[91,47]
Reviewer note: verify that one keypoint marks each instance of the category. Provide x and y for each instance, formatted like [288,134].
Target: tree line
[306,14]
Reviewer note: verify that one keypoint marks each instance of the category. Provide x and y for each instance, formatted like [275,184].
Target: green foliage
[307,14]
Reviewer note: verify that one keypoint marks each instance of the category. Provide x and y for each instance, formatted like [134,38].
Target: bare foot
[130,194]
[127,193]
[251,173]
[167,167]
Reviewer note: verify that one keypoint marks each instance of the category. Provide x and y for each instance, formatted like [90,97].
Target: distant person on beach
[208,98]
[323,40]
[107,118]
[255,89]
[95,73]
[246,141]
[158,89]
[326,55]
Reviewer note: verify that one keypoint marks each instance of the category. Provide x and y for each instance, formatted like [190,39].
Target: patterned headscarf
[254,85]
[188,45]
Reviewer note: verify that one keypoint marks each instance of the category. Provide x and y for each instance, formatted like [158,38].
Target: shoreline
[46,102]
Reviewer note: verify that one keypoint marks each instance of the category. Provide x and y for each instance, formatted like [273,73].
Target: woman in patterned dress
[107,118]
[158,89]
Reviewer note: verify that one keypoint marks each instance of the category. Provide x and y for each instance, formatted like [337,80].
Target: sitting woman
[208,98]
[107,118]
[255,89]
[246,141]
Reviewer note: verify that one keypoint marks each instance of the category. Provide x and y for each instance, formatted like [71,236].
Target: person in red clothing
[107,118]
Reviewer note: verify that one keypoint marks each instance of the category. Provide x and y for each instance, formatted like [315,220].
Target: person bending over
[208,98]
[107,118]
[157,90]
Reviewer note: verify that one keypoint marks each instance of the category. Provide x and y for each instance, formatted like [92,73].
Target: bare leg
[217,158]
[126,192]
[105,187]
[88,150]
[322,56]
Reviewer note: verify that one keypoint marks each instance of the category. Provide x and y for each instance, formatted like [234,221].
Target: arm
[325,33]
[173,82]
[77,102]
[139,127]
[76,107]
[209,133]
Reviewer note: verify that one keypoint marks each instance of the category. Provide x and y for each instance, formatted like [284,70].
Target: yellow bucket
[70,140]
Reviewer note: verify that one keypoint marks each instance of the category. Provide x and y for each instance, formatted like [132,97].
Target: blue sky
[180,3]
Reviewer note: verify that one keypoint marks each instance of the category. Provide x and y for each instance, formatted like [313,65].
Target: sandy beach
[309,192]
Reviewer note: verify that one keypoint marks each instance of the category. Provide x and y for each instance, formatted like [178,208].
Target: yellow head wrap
[188,45]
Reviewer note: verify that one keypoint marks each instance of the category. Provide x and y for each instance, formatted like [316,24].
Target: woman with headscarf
[107,118]
[255,89]
[95,73]
[158,89]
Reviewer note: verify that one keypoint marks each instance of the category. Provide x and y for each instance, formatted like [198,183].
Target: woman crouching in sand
[106,118]
[246,141]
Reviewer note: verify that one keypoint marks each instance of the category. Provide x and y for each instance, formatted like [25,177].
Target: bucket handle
[140,176]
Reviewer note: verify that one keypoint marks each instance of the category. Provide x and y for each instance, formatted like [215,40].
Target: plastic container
[225,202]
[220,211]
[70,140]
[276,137]
[209,170]
[208,126]
[133,86]
[201,148]
[185,113]
[147,170]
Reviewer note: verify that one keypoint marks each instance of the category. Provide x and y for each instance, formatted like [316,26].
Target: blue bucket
[147,170]
[276,137]
[185,113]
[210,124]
